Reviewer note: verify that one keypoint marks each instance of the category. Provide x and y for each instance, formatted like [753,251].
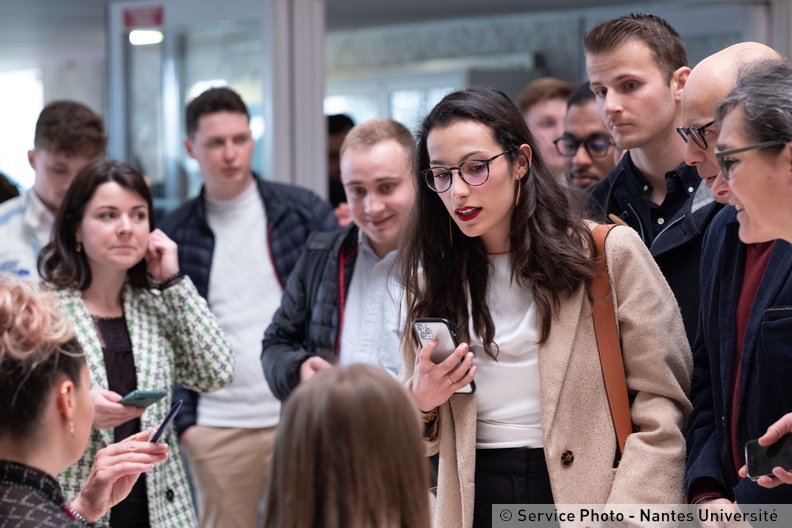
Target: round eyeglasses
[473,172]
[596,146]
[696,134]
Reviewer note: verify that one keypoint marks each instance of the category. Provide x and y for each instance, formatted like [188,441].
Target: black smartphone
[774,313]
[428,328]
[166,422]
[760,460]
[140,398]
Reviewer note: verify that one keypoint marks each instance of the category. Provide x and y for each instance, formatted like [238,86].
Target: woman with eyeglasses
[755,157]
[142,324]
[46,415]
[754,151]
[494,246]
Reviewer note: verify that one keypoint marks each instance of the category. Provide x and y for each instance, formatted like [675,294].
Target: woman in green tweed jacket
[142,324]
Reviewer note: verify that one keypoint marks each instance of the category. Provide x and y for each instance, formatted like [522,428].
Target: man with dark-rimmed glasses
[587,147]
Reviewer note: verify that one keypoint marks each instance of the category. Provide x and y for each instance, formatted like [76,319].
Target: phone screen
[166,422]
[761,460]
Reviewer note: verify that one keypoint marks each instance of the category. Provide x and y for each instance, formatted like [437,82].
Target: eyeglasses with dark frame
[473,172]
[726,164]
[596,146]
[696,134]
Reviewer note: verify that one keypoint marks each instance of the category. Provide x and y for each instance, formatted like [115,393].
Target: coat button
[169,495]
[567,457]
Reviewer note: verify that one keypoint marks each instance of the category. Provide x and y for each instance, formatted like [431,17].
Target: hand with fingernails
[434,383]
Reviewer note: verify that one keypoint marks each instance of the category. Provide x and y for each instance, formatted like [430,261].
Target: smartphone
[760,460]
[428,328]
[774,313]
[155,437]
[139,398]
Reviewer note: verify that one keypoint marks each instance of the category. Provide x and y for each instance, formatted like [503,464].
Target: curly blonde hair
[30,322]
[38,348]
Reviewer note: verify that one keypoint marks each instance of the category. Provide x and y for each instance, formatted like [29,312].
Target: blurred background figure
[46,416]
[543,104]
[68,135]
[7,188]
[349,453]
[338,126]
[587,147]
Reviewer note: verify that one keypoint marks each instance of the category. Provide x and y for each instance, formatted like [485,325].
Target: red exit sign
[144,17]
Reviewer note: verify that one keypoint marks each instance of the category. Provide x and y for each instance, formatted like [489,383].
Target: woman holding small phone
[498,247]
[46,417]
[755,155]
[142,324]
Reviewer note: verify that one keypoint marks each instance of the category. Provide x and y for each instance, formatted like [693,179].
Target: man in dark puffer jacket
[238,241]
[341,304]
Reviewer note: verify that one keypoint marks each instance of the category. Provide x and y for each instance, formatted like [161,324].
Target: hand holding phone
[429,328]
[108,410]
[166,422]
[140,398]
[760,460]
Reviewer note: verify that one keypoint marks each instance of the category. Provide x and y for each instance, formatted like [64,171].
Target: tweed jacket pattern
[30,498]
[174,338]
[576,418]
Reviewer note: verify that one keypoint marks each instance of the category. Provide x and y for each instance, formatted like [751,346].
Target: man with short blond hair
[542,104]
[342,305]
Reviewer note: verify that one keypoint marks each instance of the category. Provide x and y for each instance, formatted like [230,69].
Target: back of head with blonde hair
[349,454]
[37,349]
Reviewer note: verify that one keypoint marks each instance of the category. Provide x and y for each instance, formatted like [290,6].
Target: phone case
[139,398]
[428,328]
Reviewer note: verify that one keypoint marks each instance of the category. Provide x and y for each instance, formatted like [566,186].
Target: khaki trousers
[231,472]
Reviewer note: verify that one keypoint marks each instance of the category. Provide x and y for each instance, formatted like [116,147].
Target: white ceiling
[38,31]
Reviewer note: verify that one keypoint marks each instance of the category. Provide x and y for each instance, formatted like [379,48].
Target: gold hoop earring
[79,247]
[517,198]
[450,232]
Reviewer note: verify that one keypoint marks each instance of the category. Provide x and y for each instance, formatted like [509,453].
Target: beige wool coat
[577,428]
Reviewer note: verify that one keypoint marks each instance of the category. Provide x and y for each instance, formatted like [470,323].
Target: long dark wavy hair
[59,262]
[549,243]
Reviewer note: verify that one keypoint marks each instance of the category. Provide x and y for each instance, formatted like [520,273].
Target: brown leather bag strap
[606,329]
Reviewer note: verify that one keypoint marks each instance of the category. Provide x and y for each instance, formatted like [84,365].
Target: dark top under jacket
[675,243]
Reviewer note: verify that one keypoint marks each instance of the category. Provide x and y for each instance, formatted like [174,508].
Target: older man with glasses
[739,387]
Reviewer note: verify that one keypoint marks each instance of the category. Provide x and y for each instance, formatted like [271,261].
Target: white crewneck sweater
[244,294]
